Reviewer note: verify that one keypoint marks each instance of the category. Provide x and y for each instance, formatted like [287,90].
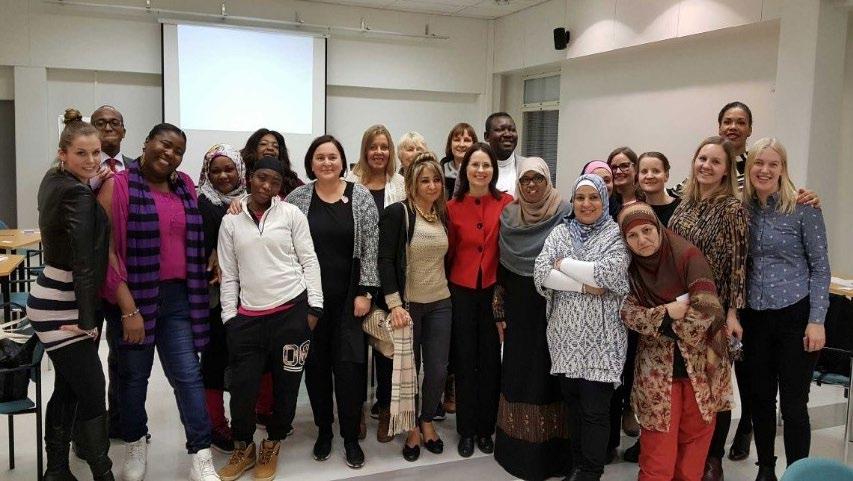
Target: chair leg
[11,442]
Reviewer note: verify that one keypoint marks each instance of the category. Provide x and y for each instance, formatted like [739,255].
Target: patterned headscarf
[206,188]
[579,231]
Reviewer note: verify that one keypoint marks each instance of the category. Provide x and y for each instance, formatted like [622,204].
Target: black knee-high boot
[93,445]
[59,424]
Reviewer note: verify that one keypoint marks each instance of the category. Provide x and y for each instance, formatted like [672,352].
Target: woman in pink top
[157,277]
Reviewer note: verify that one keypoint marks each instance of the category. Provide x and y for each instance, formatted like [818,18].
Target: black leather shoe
[411,453]
[713,469]
[766,473]
[435,446]
[740,445]
[322,448]
[485,444]
[354,454]
[632,454]
[466,446]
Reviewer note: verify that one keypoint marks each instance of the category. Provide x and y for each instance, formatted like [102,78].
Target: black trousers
[588,405]
[283,339]
[476,353]
[214,359]
[384,369]
[112,314]
[775,359]
[621,399]
[327,376]
[79,381]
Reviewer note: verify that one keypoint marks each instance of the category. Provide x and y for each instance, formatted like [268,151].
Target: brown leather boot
[713,469]
[384,422]
[450,394]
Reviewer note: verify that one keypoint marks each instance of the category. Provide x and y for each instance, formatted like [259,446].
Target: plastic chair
[26,405]
[811,469]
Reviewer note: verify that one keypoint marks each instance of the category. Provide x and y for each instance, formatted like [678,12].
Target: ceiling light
[502,3]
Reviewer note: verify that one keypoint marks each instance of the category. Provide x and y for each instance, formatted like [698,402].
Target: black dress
[214,359]
[532,436]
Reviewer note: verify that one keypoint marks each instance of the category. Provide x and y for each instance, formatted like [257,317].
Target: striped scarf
[143,256]
[404,381]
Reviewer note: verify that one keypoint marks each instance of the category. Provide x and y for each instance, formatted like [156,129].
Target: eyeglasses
[114,123]
[537,179]
[622,167]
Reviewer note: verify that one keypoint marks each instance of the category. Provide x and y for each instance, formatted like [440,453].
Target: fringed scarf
[143,256]
[404,382]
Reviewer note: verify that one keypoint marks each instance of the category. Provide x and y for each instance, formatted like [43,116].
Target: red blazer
[473,227]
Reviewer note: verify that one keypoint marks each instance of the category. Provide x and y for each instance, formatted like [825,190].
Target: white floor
[168,459]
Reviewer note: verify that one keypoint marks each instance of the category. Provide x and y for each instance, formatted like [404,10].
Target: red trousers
[680,453]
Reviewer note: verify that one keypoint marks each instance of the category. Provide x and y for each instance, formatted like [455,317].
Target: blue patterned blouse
[788,258]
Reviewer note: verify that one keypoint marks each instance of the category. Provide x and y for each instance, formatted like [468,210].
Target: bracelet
[128,316]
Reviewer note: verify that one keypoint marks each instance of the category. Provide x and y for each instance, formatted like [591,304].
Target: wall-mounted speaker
[561,38]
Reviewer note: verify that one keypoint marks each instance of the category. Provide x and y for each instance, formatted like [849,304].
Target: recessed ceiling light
[502,3]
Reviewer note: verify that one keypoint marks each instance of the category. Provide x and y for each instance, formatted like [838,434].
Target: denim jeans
[173,339]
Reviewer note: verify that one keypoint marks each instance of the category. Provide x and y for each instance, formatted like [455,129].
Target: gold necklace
[429,217]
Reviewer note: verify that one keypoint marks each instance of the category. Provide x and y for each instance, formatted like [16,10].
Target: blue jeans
[174,341]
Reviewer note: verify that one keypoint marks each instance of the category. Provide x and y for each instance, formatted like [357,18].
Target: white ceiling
[457,8]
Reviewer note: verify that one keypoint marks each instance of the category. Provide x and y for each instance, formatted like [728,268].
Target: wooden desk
[11,239]
[838,290]
[7,267]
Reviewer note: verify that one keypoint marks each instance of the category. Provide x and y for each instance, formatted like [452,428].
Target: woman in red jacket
[474,222]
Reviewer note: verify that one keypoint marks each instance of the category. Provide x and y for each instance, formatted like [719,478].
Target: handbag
[378,335]
[16,350]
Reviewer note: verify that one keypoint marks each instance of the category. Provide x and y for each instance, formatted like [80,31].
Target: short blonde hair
[361,169]
[424,161]
[408,139]
[787,192]
[728,185]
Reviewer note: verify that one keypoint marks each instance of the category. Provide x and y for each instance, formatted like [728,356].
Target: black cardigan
[391,257]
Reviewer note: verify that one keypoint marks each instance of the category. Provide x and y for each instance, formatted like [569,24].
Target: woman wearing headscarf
[673,306]
[531,440]
[222,179]
[582,273]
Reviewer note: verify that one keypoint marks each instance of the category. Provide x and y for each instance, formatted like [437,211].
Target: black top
[333,232]
[664,212]
[391,257]
[211,218]
[379,198]
[679,368]
[75,237]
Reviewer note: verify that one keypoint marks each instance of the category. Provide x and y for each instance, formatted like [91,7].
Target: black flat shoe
[485,444]
[435,446]
[322,448]
[411,453]
[354,454]
[766,473]
[466,446]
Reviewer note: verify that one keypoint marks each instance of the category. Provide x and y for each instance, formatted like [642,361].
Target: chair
[810,469]
[26,405]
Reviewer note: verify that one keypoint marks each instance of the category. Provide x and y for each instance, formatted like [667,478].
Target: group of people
[549,318]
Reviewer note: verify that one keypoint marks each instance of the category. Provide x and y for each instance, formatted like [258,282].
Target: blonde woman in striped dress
[63,305]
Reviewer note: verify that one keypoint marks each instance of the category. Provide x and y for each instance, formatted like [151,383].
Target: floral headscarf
[207,189]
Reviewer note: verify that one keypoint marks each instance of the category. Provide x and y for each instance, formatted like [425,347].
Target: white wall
[94,57]
[842,261]
[664,97]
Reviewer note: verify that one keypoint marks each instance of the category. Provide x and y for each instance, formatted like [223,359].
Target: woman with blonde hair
[786,303]
[377,166]
[412,245]
[712,218]
[410,145]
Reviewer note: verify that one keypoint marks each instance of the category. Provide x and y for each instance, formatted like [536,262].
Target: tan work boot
[242,459]
[384,422]
[267,460]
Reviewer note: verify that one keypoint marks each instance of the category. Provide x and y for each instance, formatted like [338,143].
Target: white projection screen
[221,83]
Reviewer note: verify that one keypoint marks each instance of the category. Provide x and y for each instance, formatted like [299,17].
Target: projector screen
[220,84]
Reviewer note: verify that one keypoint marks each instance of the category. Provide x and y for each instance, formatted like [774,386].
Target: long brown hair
[424,161]
[361,169]
[728,186]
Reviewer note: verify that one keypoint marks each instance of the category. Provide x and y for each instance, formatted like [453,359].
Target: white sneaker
[202,468]
[135,459]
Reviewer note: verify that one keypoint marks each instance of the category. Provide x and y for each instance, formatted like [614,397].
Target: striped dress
[52,304]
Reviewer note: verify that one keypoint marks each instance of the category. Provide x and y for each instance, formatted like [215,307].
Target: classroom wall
[68,56]
[840,257]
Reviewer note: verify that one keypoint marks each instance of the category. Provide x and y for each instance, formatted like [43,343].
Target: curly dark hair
[249,154]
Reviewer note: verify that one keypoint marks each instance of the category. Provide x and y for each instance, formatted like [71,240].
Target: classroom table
[8,264]
[13,239]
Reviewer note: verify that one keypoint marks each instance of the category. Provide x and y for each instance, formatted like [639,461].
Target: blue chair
[812,469]
[26,405]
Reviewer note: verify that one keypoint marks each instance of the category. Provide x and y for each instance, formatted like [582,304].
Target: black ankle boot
[59,422]
[93,444]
